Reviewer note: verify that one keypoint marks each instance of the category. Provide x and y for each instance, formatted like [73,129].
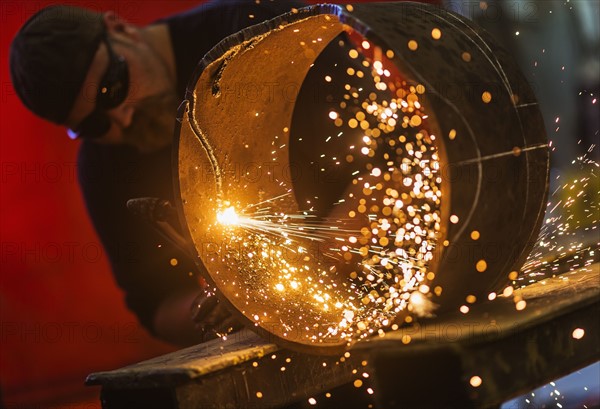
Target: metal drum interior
[326,205]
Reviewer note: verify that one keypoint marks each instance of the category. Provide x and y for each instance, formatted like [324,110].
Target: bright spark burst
[228,216]
[362,265]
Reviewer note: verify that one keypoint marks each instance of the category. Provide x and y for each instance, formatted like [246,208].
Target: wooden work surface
[511,351]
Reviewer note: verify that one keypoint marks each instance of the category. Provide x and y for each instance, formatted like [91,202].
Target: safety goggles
[112,91]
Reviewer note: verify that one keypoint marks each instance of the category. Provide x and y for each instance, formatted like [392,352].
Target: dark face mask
[112,91]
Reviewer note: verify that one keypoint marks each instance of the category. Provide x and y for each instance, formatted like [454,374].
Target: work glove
[211,317]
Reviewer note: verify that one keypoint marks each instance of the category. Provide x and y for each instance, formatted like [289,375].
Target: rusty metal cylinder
[410,189]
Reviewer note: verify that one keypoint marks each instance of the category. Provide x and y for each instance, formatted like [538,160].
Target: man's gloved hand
[211,318]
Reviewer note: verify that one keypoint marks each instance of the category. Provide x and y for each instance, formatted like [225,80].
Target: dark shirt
[141,259]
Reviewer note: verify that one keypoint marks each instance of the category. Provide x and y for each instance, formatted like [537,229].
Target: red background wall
[61,315]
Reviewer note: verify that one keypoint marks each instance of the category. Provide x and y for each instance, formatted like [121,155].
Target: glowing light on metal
[228,217]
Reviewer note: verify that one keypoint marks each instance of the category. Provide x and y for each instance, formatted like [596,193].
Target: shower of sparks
[569,236]
[359,270]
[364,268]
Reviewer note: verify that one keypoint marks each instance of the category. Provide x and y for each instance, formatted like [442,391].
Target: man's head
[98,75]
[50,57]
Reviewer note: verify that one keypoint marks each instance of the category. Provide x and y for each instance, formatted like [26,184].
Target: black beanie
[50,57]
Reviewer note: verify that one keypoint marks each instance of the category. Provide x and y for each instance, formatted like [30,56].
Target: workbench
[433,363]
